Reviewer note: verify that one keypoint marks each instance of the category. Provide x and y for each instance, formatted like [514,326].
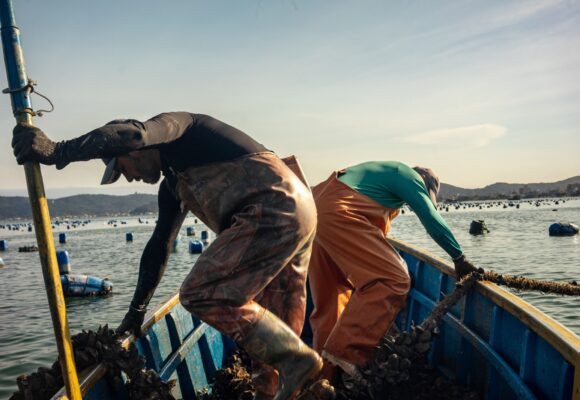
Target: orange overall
[358,280]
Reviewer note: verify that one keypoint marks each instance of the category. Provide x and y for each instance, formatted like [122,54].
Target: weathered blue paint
[13,58]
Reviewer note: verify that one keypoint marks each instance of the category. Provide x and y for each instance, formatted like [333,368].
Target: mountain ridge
[99,205]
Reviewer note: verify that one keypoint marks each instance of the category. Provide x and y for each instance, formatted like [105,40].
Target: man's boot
[273,342]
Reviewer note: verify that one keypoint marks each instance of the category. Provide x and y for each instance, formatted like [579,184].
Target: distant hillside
[84,204]
[502,190]
[104,205]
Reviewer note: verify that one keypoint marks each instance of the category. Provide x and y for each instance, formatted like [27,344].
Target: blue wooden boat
[492,341]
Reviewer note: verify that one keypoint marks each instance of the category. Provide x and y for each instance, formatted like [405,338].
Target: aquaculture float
[80,285]
[492,341]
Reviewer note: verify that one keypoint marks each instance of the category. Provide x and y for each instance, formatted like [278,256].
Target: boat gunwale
[566,342]
[91,375]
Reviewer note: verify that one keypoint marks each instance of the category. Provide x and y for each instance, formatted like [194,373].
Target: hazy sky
[481,91]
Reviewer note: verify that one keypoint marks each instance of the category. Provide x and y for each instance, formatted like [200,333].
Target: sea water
[518,243]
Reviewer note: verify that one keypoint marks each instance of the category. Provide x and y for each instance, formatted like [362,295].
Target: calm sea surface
[517,244]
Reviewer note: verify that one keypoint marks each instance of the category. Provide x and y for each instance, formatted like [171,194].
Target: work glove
[132,321]
[464,267]
[31,144]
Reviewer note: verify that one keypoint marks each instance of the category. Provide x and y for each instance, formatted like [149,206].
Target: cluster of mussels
[232,382]
[402,358]
[91,348]
[396,360]
[522,283]
[27,249]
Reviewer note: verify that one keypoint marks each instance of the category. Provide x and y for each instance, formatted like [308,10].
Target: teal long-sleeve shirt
[392,184]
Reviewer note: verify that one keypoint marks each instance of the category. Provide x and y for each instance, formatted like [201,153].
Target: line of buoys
[195,246]
[3,245]
[563,229]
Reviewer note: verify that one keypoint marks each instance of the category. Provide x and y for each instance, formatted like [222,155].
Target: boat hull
[492,341]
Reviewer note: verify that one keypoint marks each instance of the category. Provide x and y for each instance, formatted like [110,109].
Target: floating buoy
[3,245]
[84,285]
[63,260]
[74,285]
[195,246]
[190,231]
[27,249]
[176,242]
[62,237]
[478,227]
[563,229]
[129,236]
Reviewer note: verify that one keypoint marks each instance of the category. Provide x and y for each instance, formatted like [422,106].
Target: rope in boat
[402,356]
[398,356]
[522,283]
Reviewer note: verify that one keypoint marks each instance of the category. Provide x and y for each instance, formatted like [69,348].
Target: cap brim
[111,174]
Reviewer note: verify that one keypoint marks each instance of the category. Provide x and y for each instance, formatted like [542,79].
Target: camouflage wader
[265,218]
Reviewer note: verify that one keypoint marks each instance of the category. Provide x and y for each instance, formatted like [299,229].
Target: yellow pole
[21,105]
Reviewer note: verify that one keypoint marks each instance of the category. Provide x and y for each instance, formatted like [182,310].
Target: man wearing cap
[358,280]
[250,282]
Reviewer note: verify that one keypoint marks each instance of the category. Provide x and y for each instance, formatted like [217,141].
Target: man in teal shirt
[359,286]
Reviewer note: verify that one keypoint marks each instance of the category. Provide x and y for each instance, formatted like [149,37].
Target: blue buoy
[190,231]
[176,242]
[129,236]
[63,260]
[62,237]
[563,229]
[204,235]
[84,285]
[3,245]
[195,246]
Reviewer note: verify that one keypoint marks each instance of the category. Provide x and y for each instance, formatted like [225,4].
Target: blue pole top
[14,59]
[6,13]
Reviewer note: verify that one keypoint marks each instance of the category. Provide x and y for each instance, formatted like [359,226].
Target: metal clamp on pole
[19,89]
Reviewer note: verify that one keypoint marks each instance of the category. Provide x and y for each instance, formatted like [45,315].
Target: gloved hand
[31,144]
[464,267]
[132,321]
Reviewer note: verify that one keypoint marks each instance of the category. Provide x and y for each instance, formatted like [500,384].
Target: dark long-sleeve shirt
[183,140]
